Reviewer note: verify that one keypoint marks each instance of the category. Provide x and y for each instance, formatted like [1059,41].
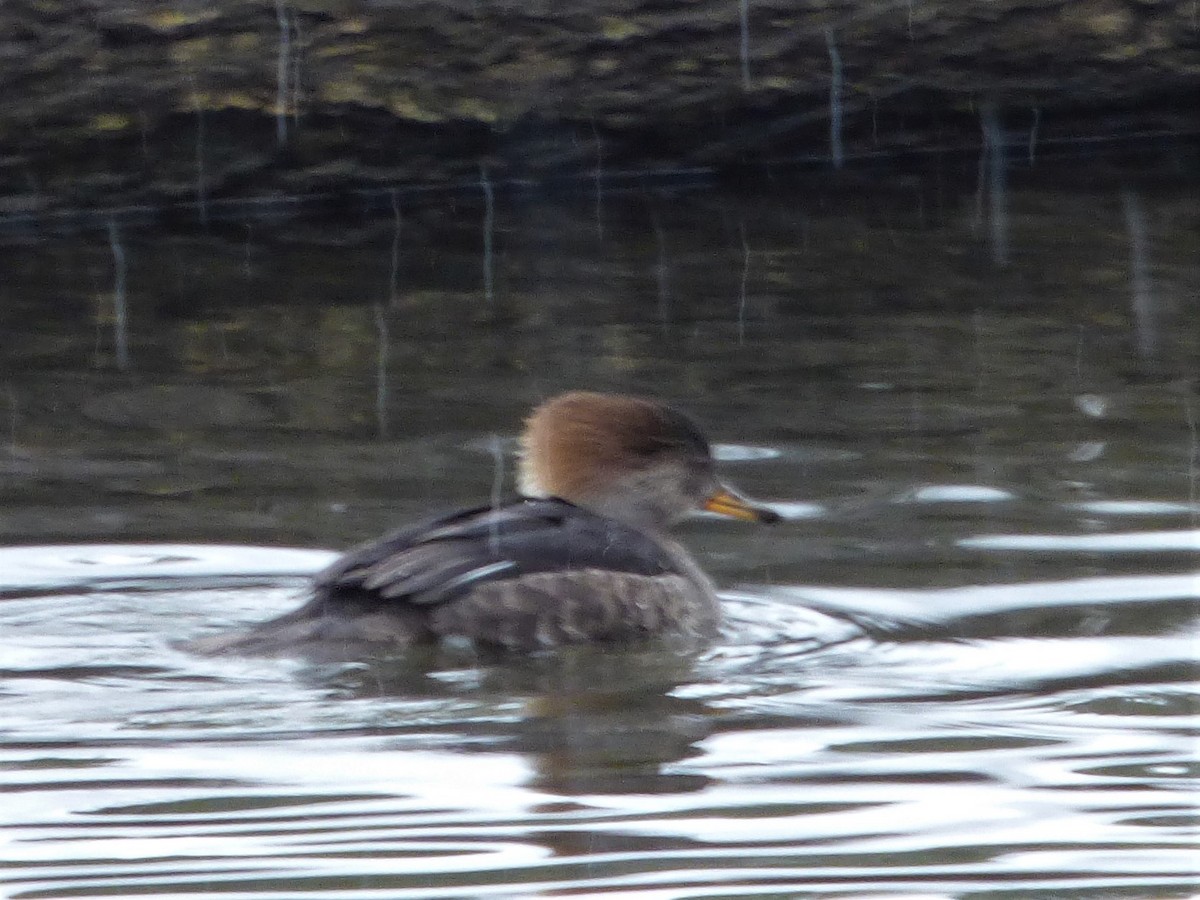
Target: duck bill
[726,502]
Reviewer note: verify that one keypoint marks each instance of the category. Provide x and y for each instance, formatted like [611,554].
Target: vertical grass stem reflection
[489,224]
[994,163]
[282,68]
[744,43]
[599,181]
[12,420]
[1033,133]
[295,85]
[1145,319]
[394,277]
[120,314]
[1189,410]
[836,153]
[662,274]
[201,176]
[496,447]
[741,322]
[381,371]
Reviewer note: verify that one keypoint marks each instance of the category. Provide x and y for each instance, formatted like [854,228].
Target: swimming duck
[580,555]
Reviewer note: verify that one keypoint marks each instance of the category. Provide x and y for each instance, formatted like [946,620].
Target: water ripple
[1038,736]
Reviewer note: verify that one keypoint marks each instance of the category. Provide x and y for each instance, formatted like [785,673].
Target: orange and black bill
[726,502]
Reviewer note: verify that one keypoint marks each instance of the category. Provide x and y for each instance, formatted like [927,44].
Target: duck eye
[698,476]
[655,449]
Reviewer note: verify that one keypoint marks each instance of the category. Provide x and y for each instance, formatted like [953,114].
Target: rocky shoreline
[132,104]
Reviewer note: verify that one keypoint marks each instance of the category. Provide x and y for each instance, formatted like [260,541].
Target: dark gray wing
[438,560]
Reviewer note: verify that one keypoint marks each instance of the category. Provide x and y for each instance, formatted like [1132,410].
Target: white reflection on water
[72,565]
[1127,542]
[1136,507]
[961,493]
[991,598]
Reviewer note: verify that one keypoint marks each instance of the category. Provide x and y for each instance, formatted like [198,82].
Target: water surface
[964,666]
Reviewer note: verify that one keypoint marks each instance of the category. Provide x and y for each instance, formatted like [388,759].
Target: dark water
[965,666]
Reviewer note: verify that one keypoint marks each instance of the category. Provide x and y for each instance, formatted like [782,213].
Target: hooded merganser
[581,555]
